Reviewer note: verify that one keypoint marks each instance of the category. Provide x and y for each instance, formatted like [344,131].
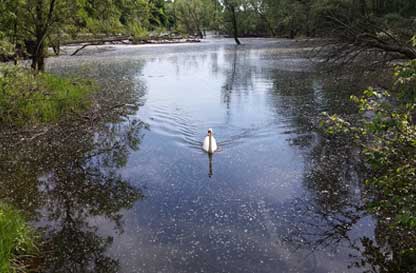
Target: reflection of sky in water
[259,99]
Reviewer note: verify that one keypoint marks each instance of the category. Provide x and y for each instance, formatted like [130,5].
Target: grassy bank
[17,241]
[31,99]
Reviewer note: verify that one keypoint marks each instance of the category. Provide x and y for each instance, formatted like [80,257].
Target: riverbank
[40,113]
[32,99]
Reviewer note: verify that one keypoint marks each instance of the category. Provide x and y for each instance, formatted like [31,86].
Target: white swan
[210,144]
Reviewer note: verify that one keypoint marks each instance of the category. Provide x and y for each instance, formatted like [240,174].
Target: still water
[137,194]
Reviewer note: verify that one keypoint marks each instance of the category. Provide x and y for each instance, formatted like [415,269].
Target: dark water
[137,194]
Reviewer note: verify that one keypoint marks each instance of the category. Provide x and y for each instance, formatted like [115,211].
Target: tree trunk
[235,26]
[57,44]
[200,34]
[292,34]
[38,56]
[269,25]
[361,7]
[41,56]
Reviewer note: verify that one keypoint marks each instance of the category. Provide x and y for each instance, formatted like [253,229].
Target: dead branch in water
[130,41]
[95,42]
[99,40]
[84,46]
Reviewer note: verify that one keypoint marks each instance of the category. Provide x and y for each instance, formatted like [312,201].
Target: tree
[261,8]
[364,27]
[33,22]
[189,15]
[195,16]
[41,23]
[232,7]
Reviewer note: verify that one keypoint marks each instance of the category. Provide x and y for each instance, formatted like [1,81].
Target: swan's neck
[210,143]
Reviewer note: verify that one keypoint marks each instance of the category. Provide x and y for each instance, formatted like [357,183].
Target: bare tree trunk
[200,33]
[56,45]
[235,26]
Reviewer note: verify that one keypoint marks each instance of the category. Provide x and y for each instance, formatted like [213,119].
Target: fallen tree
[166,39]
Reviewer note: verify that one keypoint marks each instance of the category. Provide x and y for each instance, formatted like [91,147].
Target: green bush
[386,135]
[17,241]
[27,98]
[138,32]
[6,50]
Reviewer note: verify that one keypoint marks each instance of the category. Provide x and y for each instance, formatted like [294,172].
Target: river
[137,193]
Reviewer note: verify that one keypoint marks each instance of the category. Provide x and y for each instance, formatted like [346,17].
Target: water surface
[137,194]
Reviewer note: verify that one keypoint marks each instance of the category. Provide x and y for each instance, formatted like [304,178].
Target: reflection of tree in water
[230,80]
[336,199]
[76,247]
[332,169]
[386,253]
[66,175]
[336,203]
[239,76]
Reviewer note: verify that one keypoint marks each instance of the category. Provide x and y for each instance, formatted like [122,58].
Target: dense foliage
[33,25]
[28,27]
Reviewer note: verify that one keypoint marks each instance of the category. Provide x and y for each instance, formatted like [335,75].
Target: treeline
[28,27]
[313,17]
[356,27]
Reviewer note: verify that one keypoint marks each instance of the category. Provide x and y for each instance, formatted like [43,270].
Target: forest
[27,28]
[378,36]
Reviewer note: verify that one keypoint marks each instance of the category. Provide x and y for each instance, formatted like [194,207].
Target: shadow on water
[66,178]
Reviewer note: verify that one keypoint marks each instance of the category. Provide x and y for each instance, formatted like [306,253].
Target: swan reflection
[211,172]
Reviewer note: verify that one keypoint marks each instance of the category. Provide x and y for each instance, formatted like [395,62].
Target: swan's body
[210,144]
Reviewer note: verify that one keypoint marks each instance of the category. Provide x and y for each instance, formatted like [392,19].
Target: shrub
[138,32]
[6,50]
[386,134]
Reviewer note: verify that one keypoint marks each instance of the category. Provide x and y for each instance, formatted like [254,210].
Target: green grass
[28,98]
[17,240]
